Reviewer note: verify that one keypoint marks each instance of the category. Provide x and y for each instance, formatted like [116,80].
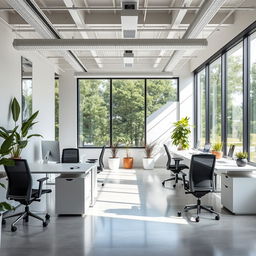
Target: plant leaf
[15,109]
[34,135]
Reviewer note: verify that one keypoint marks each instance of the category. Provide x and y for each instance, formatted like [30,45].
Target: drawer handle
[69,179]
[226,186]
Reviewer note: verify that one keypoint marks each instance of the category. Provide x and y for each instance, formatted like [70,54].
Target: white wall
[10,86]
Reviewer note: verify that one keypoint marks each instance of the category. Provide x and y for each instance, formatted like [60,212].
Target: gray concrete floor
[134,215]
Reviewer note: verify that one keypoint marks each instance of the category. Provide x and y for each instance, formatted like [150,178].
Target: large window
[235,97]
[201,107]
[115,110]
[230,95]
[215,101]
[253,97]
[57,106]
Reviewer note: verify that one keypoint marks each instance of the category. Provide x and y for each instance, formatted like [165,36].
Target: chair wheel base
[13,228]
[217,217]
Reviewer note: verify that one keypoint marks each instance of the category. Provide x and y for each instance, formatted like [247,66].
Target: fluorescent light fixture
[128,59]
[108,44]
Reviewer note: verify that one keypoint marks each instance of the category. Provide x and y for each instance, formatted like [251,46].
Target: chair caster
[3,222]
[217,217]
[102,184]
[25,219]
[174,185]
[179,214]
[45,224]
[163,184]
[13,228]
[47,216]
[197,219]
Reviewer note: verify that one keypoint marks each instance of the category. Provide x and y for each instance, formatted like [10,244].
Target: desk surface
[221,165]
[59,168]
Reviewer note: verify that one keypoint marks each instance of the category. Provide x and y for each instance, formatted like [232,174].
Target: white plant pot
[148,163]
[114,163]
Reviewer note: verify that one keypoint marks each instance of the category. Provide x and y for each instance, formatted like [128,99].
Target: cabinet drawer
[227,196]
[226,180]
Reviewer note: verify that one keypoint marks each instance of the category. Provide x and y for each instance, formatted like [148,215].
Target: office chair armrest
[185,182]
[177,161]
[40,186]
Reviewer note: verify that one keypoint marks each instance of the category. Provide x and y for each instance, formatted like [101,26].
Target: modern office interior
[127,127]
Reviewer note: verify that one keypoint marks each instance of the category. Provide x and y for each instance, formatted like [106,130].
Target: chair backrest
[231,151]
[169,158]
[207,147]
[70,155]
[19,180]
[201,172]
[101,165]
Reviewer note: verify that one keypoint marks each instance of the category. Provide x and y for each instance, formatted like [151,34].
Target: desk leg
[94,185]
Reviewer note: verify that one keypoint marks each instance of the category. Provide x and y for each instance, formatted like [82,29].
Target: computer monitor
[50,151]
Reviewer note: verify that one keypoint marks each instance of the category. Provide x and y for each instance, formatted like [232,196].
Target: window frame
[243,38]
[110,105]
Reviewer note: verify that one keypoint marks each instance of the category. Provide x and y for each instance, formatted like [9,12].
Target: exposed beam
[108,44]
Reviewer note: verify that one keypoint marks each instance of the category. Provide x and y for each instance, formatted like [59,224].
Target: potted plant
[5,150]
[114,161]
[180,134]
[148,161]
[127,161]
[216,150]
[20,135]
[241,160]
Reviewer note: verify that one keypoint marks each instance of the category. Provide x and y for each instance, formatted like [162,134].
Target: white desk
[65,170]
[222,165]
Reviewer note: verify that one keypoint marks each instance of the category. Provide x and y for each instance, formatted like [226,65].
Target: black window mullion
[195,110]
[145,111]
[207,107]
[224,102]
[246,95]
[110,112]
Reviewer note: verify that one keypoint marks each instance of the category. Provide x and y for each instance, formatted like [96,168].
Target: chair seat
[180,167]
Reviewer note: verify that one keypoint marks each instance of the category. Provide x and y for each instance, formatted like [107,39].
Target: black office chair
[20,190]
[200,182]
[231,151]
[175,168]
[100,166]
[70,155]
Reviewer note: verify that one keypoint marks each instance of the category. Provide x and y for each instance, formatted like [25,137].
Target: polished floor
[134,215]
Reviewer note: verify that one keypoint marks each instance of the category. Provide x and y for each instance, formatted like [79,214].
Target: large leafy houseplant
[5,150]
[181,132]
[20,135]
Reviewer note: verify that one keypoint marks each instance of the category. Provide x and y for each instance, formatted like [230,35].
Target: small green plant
[217,147]
[181,132]
[114,150]
[20,135]
[242,155]
[149,148]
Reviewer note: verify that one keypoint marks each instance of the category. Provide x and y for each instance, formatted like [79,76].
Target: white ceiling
[99,24]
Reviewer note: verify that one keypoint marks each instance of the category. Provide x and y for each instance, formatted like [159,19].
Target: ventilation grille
[129,33]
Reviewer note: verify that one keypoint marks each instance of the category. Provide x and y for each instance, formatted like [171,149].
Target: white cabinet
[73,193]
[238,192]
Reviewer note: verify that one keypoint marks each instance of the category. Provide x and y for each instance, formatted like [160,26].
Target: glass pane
[57,102]
[235,97]
[128,109]
[94,95]
[253,98]
[26,88]
[201,108]
[215,101]
[159,93]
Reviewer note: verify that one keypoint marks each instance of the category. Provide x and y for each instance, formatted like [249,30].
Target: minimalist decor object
[148,160]
[241,160]
[114,161]
[20,135]
[216,150]
[181,132]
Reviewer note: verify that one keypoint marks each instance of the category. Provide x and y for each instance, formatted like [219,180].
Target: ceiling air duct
[129,19]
